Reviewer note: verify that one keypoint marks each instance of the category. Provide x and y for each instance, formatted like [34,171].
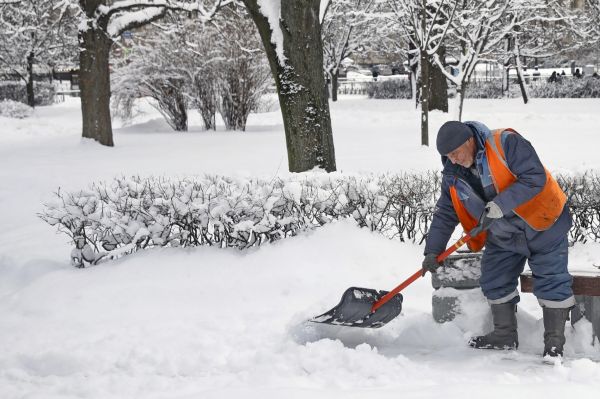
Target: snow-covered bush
[583,196]
[243,74]
[180,66]
[44,92]
[396,88]
[490,89]
[587,87]
[110,220]
[14,109]
[153,71]
[107,221]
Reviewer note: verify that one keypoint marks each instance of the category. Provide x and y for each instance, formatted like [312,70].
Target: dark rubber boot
[504,335]
[554,330]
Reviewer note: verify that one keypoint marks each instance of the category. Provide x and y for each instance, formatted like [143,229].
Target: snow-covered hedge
[583,197]
[14,109]
[587,87]
[491,89]
[396,88]
[44,92]
[110,220]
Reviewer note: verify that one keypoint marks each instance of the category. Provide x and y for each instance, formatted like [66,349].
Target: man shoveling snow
[497,174]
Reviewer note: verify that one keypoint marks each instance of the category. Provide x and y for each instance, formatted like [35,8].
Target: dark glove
[430,264]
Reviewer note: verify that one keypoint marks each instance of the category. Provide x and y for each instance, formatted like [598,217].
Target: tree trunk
[94,82]
[520,73]
[334,85]
[424,64]
[505,79]
[438,85]
[30,92]
[460,99]
[300,81]
[413,65]
[424,98]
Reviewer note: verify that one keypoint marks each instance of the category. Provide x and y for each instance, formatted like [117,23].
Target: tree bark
[94,77]
[424,61]
[460,99]
[520,73]
[413,65]
[334,85]
[438,85]
[424,98]
[29,85]
[300,83]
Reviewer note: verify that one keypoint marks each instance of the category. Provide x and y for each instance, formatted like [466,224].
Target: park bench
[586,288]
[462,273]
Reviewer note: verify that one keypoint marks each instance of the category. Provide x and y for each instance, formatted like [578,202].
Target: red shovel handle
[419,273]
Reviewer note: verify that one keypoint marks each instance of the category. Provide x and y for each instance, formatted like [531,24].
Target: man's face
[464,155]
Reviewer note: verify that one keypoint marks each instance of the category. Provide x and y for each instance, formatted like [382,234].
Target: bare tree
[291,34]
[181,62]
[478,31]
[425,25]
[345,28]
[102,22]
[35,32]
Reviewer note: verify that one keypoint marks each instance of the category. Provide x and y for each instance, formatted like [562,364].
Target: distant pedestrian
[552,78]
[577,74]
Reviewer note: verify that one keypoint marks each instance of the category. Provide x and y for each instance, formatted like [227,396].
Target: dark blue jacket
[475,188]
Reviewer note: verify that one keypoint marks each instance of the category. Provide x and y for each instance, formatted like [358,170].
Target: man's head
[455,140]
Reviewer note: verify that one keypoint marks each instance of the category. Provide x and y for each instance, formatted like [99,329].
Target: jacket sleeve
[526,166]
[443,223]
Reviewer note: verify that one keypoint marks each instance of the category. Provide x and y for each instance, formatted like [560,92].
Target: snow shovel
[369,308]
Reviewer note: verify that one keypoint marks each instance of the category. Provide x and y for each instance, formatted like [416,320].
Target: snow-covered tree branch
[102,22]
[35,32]
[425,26]
[345,28]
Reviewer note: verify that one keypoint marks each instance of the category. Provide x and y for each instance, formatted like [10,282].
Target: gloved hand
[430,264]
[493,211]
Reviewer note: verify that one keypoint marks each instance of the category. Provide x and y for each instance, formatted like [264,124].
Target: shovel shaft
[464,239]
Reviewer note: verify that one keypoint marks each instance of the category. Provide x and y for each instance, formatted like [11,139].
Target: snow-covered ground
[211,323]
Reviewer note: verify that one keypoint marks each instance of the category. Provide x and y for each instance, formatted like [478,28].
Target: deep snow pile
[219,323]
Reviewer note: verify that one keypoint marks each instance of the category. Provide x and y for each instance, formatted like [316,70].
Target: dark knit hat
[452,135]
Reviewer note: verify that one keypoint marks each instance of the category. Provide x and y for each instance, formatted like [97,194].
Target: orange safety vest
[540,212]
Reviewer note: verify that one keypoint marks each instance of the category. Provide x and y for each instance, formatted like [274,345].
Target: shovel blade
[354,310]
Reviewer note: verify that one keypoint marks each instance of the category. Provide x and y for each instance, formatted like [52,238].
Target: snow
[214,323]
[121,22]
[272,10]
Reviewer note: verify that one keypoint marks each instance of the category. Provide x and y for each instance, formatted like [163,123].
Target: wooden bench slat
[582,285]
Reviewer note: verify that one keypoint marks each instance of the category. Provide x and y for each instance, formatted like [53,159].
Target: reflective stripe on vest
[541,211]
